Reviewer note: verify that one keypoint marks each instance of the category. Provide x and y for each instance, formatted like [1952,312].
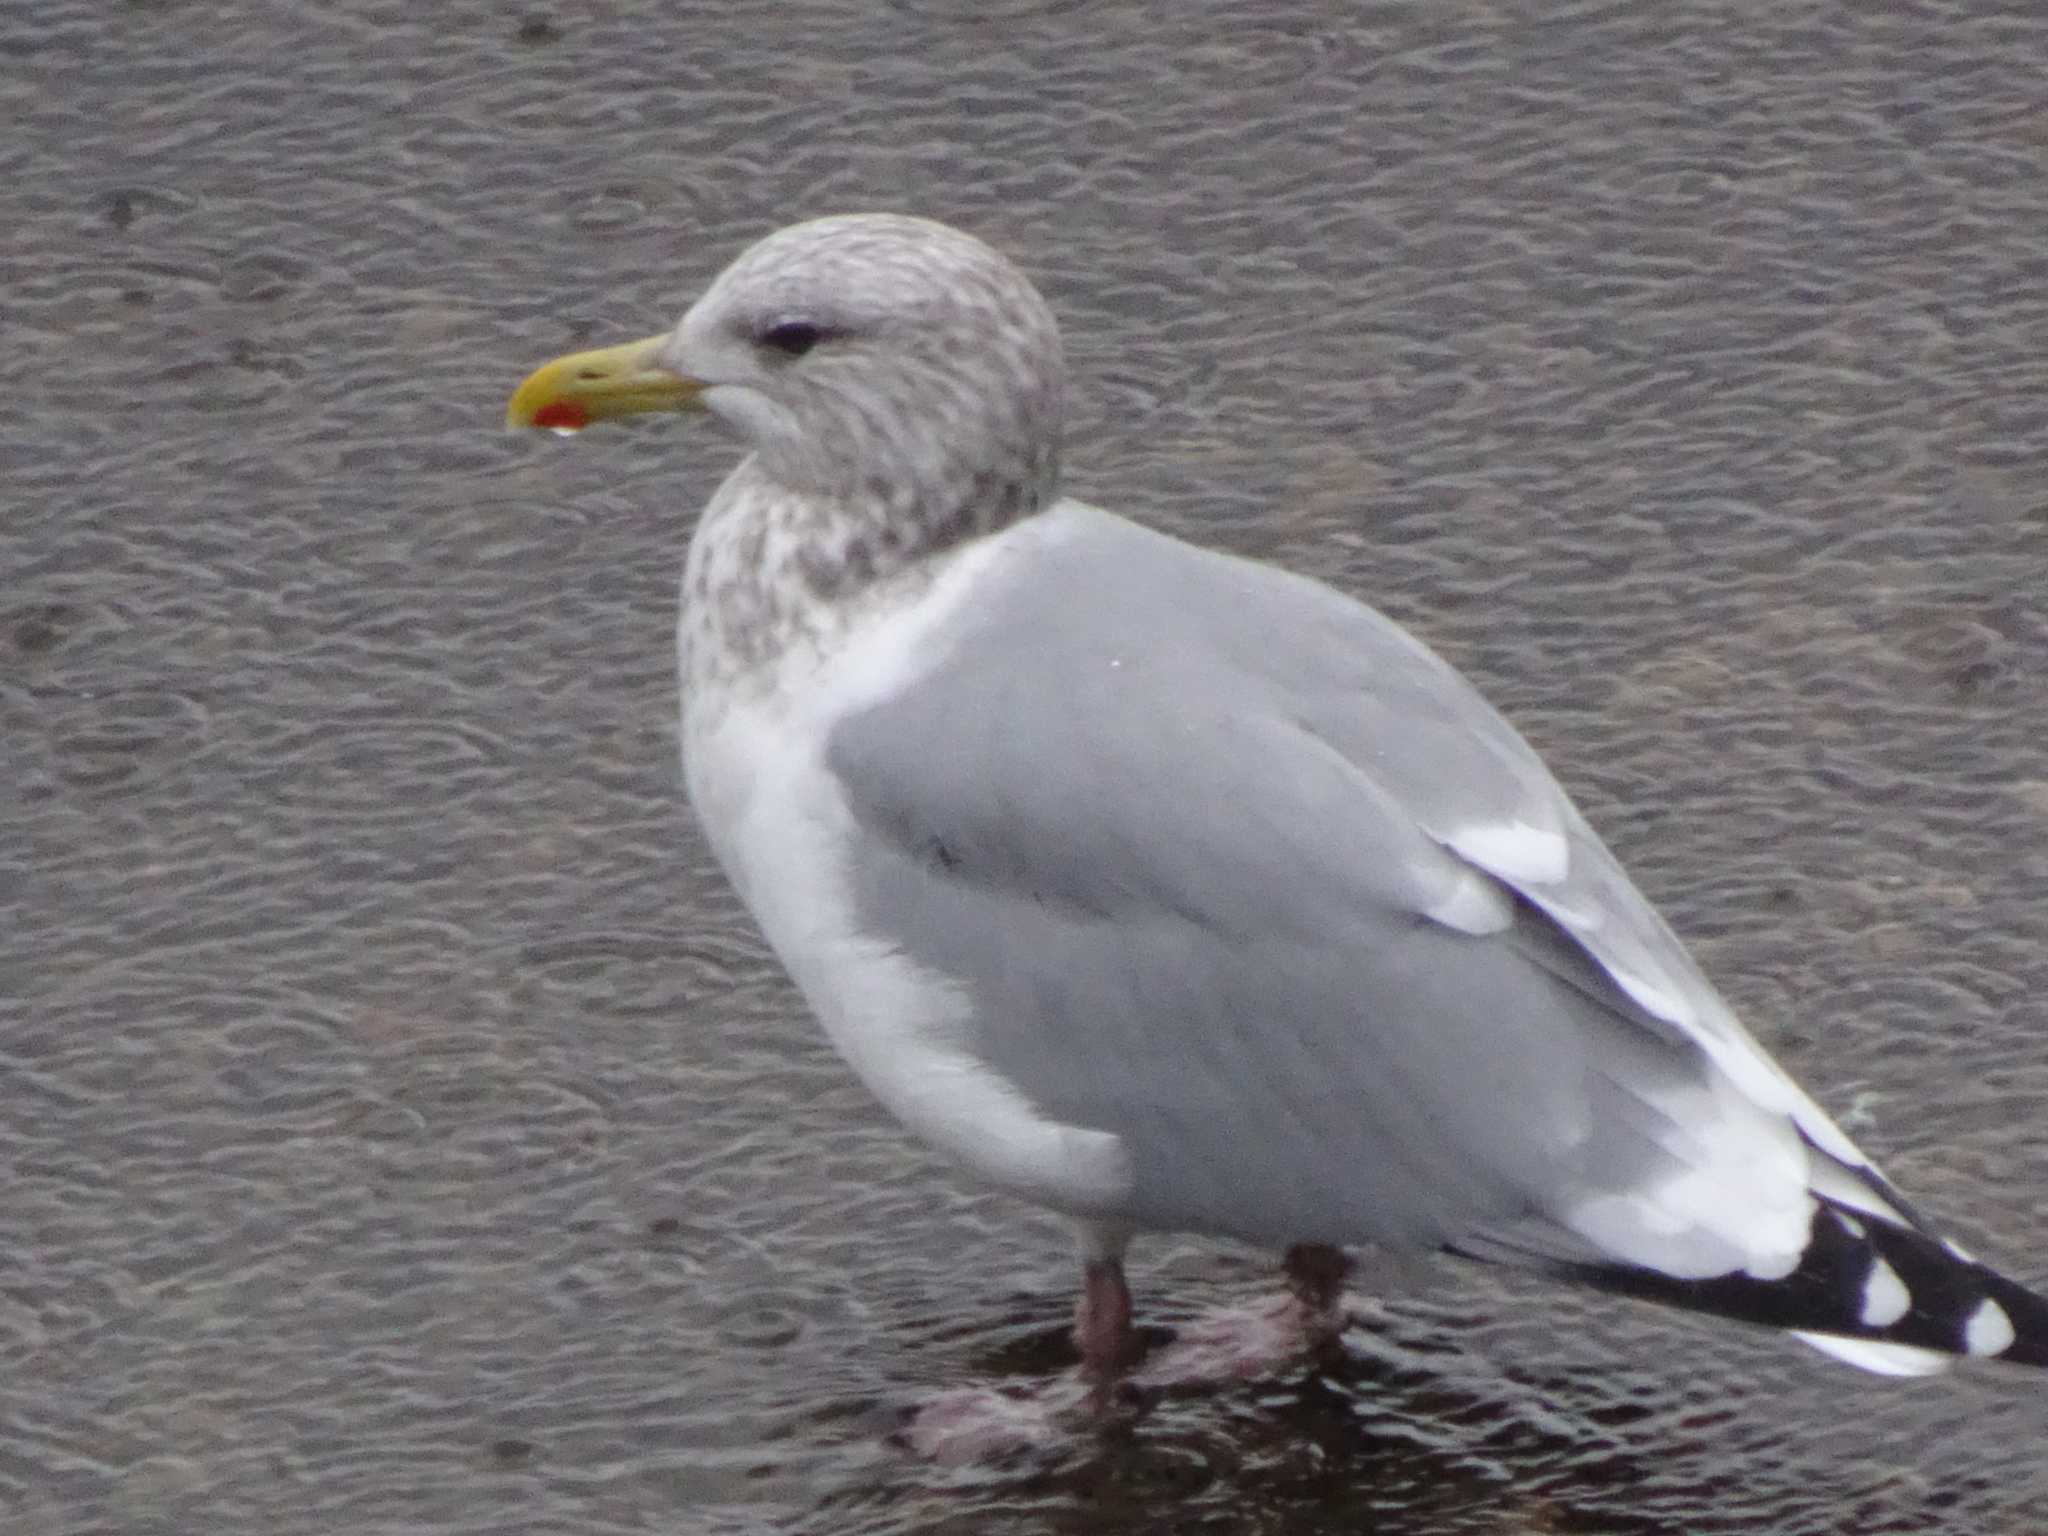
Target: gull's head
[879,361]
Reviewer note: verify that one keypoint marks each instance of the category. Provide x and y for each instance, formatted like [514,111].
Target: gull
[1178,893]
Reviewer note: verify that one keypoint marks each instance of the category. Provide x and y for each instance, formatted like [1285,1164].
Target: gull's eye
[792,338]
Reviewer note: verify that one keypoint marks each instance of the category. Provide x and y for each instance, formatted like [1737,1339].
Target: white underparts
[779,822]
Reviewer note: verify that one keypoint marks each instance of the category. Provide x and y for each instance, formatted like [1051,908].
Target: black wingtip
[1862,1277]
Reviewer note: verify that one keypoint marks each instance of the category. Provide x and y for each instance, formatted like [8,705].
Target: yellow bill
[571,392]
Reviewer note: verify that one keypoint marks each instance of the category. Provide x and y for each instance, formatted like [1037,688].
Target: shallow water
[404,1130]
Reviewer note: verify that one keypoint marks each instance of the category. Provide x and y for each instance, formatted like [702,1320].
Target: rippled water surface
[404,1131]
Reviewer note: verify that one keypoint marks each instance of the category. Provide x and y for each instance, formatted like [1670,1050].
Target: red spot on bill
[562,416]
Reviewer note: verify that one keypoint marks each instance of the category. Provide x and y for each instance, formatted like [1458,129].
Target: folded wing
[1236,871]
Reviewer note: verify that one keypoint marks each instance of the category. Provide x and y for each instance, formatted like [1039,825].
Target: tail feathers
[1865,1278]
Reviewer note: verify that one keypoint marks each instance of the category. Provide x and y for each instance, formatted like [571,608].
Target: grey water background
[401,1128]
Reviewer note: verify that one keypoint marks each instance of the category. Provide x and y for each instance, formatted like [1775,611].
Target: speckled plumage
[859,474]
[1173,891]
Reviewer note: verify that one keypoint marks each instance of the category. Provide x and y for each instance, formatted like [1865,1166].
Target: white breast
[754,758]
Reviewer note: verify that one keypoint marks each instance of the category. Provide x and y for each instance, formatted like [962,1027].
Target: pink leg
[986,1423]
[1102,1329]
[1241,1343]
[1316,1275]
[1102,1320]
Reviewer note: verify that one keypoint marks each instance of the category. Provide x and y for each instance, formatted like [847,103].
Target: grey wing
[1238,872]
[1199,937]
[1478,789]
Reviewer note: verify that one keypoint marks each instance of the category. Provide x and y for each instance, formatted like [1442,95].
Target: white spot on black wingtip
[1851,1225]
[1989,1331]
[1885,1297]
[1958,1250]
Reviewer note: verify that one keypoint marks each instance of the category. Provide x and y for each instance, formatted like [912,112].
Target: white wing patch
[1517,852]
[1475,904]
[1744,1193]
[1871,1355]
[1536,861]
[1737,1198]
[1655,1000]
[1828,1179]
